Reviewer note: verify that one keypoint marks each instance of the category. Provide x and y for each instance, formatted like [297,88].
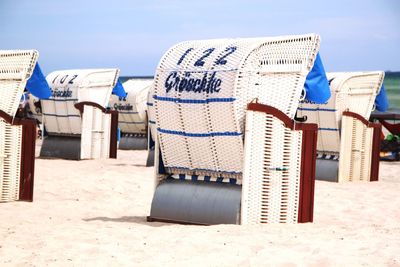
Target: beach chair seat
[17,136]
[345,142]
[132,111]
[76,117]
[205,148]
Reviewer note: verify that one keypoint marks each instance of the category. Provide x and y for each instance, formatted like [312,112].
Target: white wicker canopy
[72,86]
[351,91]
[16,67]
[201,90]
[132,117]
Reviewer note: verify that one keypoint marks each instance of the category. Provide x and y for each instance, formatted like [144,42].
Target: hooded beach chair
[151,130]
[17,135]
[76,117]
[132,113]
[227,149]
[348,144]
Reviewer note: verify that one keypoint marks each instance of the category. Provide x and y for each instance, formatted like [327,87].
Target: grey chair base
[64,147]
[327,170]
[196,202]
[150,158]
[133,143]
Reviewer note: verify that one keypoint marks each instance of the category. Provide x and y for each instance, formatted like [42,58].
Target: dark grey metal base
[196,202]
[327,170]
[64,147]
[150,158]
[133,143]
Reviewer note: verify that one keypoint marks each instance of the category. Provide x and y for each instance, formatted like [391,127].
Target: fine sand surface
[93,213]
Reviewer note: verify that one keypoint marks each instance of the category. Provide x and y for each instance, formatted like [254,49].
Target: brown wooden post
[113,134]
[376,149]
[307,171]
[27,164]
[27,159]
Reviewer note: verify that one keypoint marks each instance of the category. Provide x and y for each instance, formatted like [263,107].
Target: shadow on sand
[128,219]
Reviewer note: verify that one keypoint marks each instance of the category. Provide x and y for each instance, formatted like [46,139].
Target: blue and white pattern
[204,178]
[327,156]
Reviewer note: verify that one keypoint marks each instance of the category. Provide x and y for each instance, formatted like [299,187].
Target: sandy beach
[93,213]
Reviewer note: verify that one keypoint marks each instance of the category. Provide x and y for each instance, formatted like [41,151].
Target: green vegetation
[392,87]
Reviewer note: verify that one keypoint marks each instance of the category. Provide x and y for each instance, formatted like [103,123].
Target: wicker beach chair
[348,145]
[17,135]
[76,119]
[151,130]
[132,113]
[212,164]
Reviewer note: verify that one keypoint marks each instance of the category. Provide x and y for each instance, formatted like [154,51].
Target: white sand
[93,213]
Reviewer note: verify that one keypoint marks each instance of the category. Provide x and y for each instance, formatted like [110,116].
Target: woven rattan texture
[95,138]
[355,151]
[132,109]
[72,86]
[150,113]
[201,90]
[271,183]
[16,67]
[352,91]
[10,161]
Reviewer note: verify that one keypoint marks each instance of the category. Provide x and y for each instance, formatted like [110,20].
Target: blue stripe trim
[63,116]
[149,104]
[328,129]
[128,112]
[232,180]
[199,134]
[60,100]
[205,170]
[129,122]
[194,101]
[199,71]
[327,152]
[318,109]
[187,177]
[152,122]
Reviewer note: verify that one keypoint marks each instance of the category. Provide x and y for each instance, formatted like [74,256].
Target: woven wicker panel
[201,127]
[132,109]
[326,117]
[71,86]
[352,91]
[95,138]
[151,114]
[16,67]
[271,183]
[359,91]
[355,151]
[106,136]
[10,161]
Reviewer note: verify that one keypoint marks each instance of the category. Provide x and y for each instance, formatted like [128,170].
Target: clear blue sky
[133,35]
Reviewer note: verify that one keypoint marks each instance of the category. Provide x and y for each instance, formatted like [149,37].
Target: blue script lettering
[64,93]
[123,107]
[209,83]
